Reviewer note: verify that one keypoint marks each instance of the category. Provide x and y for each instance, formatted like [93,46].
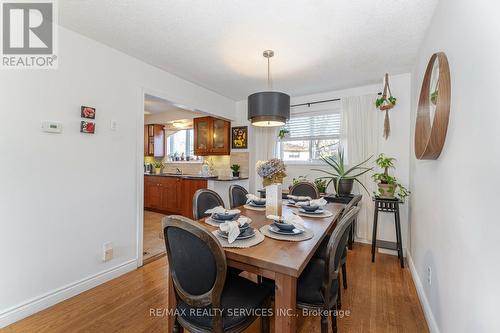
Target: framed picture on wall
[87,127]
[239,137]
[87,112]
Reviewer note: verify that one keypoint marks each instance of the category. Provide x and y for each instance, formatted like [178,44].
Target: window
[311,134]
[180,144]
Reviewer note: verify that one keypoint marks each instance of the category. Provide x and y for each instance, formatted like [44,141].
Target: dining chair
[237,196]
[318,285]
[204,199]
[305,188]
[206,295]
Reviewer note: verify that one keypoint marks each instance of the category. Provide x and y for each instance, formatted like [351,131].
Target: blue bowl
[310,208]
[225,216]
[259,202]
[284,226]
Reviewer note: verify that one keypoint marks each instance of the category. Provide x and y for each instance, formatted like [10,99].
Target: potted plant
[236,170]
[297,180]
[320,184]
[283,133]
[272,171]
[387,184]
[157,165]
[341,176]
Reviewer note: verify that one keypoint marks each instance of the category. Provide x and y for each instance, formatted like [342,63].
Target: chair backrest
[237,196]
[204,199]
[353,203]
[336,245]
[196,260]
[304,188]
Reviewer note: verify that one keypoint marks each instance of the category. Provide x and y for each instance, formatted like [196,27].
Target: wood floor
[380,297]
[153,244]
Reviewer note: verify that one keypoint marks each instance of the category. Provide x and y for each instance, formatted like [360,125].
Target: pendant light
[268,108]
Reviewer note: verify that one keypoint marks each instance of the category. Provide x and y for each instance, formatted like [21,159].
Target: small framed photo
[87,112]
[87,127]
[239,138]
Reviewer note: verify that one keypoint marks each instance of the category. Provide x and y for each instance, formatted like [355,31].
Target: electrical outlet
[107,252]
[429,276]
[113,125]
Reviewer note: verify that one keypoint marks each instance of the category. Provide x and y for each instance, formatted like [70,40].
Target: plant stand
[388,206]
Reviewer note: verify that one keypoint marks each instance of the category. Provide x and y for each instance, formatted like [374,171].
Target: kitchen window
[311,134]
[180,146]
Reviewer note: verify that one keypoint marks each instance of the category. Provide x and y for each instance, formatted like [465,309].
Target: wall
[64,195]
[396,146]
[454,222]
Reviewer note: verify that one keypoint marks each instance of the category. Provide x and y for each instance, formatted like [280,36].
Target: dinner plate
[318,211]
[245,234]
[253,204]
[276,230]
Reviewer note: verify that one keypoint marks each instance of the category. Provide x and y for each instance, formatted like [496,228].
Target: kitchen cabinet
[171,195]
[211,136]
[154,140]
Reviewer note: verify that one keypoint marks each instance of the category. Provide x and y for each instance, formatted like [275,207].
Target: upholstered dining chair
[204,199]
[318,285]
[237,196]
[323,247]
[204,291]
[305,188]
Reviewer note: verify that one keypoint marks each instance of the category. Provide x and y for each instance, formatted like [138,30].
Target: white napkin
[251,197]
[298,198]
[316,202]
[222,210]
[233,228]
[296,220]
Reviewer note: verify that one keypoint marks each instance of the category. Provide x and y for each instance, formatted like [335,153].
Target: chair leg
[344,276]
[339,298]
[177,327]
[324,323]
[264,320]
[334,320]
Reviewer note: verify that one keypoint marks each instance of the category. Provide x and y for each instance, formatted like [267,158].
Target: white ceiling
[160,111]
[320,45]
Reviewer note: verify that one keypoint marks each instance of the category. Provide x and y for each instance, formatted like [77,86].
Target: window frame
[187,148]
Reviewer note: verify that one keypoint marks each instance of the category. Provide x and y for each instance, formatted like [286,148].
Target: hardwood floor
[380,297]
[153,244]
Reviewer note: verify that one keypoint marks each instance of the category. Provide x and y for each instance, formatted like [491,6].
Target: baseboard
[37,304]
[429,316]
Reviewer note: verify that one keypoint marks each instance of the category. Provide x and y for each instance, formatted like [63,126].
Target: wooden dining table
[281,261]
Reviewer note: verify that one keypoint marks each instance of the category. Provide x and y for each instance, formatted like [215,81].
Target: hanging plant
[385,103]
[282,133]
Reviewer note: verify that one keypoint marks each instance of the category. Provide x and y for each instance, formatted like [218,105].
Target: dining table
[279,260]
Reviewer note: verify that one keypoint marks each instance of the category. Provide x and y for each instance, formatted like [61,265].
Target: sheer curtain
[360,140]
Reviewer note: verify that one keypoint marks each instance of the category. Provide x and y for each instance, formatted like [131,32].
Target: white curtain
[264,146]
[360,141]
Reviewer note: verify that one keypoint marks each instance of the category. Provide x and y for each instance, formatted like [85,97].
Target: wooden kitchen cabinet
[154,140]
[171,195]
[211,136]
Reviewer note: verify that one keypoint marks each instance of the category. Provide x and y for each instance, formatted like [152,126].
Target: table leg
[285,303]
[171,301]
[374,236]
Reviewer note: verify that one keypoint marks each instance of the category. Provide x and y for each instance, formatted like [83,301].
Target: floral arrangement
[272,171]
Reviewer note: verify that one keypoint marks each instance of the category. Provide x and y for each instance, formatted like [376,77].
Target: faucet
[178,171]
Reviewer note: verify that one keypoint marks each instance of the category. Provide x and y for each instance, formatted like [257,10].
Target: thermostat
[51,127]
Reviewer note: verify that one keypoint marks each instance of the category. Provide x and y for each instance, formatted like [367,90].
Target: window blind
[314,125]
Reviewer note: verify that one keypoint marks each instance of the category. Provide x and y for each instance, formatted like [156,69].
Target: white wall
[454,221]
[63,195]
[396,146]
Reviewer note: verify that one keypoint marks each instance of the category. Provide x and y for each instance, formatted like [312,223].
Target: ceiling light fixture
[178,124]
[268,108]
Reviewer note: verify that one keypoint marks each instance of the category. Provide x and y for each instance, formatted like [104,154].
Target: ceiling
[320,45]
[160,111]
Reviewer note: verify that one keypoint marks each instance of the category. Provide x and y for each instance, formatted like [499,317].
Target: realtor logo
[28,31]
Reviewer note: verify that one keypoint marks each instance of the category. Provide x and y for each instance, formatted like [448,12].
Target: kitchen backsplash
[220,164]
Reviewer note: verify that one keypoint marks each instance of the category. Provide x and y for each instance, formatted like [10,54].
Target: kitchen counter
[215,178]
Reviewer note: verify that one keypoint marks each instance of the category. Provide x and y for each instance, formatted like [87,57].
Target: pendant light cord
[269,81]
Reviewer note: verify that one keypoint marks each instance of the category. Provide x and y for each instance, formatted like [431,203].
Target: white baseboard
[37,304]
[429,316]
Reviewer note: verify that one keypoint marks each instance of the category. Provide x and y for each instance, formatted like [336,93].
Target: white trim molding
[46,300]
[429,316]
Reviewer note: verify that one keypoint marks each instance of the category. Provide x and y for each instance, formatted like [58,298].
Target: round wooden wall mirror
[433,109]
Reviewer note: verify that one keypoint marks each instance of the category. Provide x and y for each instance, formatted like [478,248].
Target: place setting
[233,230]
[255,203]
[312,208]
[293,200]
[290,228]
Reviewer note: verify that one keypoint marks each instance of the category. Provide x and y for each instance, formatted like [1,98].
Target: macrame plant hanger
[386,106]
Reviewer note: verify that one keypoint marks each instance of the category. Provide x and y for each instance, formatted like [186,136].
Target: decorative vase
[157,171]
[386,191]
[275,179]
[345,186]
